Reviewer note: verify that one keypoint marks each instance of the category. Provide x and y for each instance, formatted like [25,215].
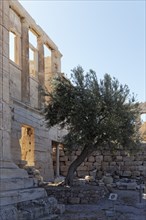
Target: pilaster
[5,111]
[8,170]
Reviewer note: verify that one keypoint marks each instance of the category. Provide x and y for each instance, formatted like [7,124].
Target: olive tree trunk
[75,164]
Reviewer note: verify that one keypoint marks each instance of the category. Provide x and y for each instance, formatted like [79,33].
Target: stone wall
[20,113]
[24,77]
[77,195]
[119,164]
[24,115]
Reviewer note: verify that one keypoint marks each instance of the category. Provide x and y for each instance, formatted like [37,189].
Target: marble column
[41,71]
[25,80]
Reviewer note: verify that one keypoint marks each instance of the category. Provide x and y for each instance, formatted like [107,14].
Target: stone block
[5,49]
[128,158]
[40,156]
[63,168]
[0,32]
[67,163]
[6,23]
[61,152]
[90,166]
[107,179]
[74,200]
[70,153]
[119,158]
[143,173]
[106,153]
[128,163]
[82,168]
[16,196]
[127,173]
[84,201]
[133,168]
[93,174]
[60,209]
[97,164]
[137,163]
[112,163]
[107,158]
[91,159]
[65,158]
[99,174]
[6,154]
[132,186]
[1,15]
[117,153]
[105,164]
[112,169]
[16,183]
[96,153]
[62,164]
[142,168]
[6,117]
[120,163]
[140,158]
[6,40]
[82,173]
[64,173]
[5,7]
[99,158]
[78,152]
[135,173]
[9,212]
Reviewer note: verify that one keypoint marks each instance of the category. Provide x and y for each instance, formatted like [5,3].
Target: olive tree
[98,114]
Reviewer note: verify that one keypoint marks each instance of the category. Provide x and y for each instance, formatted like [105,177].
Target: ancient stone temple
[28,60]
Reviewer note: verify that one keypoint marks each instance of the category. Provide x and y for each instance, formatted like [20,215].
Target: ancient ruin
[28,61]
[24,140]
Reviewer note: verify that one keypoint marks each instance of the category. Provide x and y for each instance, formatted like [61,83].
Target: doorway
[27,145]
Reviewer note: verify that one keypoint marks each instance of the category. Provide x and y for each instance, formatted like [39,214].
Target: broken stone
[108,179]
[131,186]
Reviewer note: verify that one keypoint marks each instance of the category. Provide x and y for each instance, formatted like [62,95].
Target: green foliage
[97,114]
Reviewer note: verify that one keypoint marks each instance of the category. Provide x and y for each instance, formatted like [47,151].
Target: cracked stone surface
[126,207]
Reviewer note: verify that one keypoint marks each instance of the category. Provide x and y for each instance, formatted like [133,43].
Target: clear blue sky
[106,36]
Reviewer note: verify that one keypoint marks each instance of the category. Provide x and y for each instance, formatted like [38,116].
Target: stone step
[50,217]
[28,211]
[17,183]
[83,212]
[40,209]
[37,213]
[14,172]
[16,196]
[81,217]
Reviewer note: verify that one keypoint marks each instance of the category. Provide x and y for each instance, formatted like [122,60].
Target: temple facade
[28,61]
